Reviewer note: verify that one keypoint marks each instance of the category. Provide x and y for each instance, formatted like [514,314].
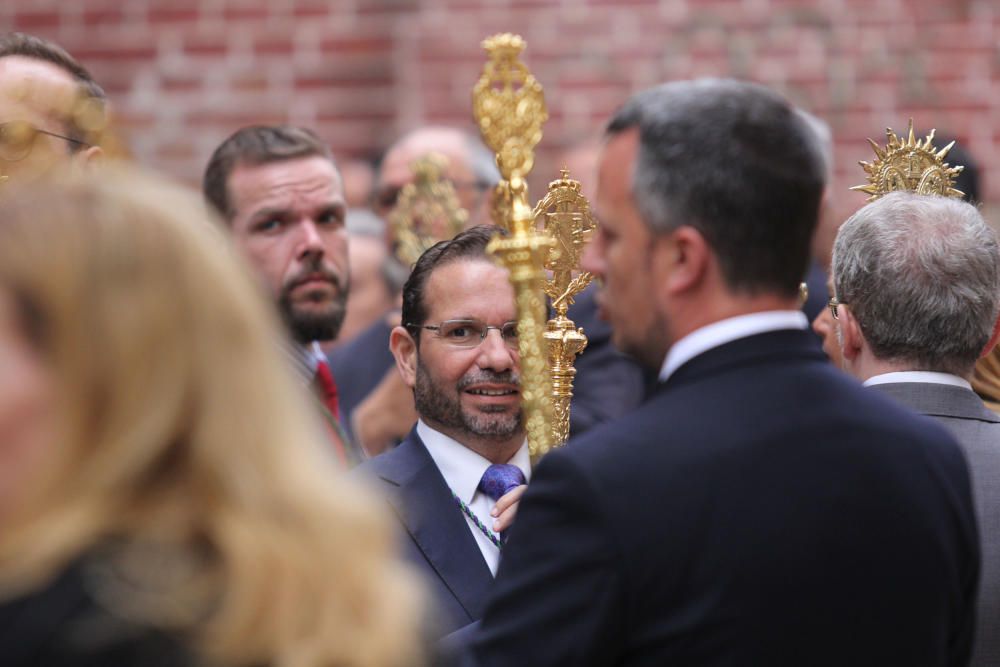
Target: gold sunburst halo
[911,165]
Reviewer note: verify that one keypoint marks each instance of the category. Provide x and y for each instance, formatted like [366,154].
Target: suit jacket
[439,542]
[761,508]
[978,432]
[607,385]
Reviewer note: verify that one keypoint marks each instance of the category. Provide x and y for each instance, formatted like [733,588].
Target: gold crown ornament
[909,165]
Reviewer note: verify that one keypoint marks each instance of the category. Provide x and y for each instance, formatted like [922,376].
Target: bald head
[471,168]
[40,87]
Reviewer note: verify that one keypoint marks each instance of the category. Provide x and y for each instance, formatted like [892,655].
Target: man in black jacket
[760,508]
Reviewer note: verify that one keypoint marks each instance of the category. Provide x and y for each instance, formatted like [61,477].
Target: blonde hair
[181,424]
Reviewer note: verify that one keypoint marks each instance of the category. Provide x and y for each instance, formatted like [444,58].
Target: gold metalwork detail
[428,210]
[509,108]
[564,214]
[908,164]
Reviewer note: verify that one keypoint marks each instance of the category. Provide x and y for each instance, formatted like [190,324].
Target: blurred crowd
[238,427]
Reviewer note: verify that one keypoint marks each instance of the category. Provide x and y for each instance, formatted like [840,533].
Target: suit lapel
[433,519]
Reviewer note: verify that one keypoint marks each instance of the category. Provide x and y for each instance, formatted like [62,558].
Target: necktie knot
[499,479]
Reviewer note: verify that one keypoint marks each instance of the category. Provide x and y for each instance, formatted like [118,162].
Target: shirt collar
[305,359]
[461,467]
[929,377]
[727,330]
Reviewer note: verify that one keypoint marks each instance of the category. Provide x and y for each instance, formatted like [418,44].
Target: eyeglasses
[17,137]
[470,333]
[833,304]
[387,197]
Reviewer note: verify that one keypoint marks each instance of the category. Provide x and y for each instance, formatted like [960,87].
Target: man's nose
[494,353]
[310,241]
[592,259]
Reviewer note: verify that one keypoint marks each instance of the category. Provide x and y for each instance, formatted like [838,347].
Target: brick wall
[185,73]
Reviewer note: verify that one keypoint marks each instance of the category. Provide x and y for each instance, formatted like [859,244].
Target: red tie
[328,388]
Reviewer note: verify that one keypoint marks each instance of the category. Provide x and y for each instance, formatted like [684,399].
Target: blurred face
[34,95]
[26,400]
[395,173]
[620,256]
[827,328]
[471,393]
[289,223]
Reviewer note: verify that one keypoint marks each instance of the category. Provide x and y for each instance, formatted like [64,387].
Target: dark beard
[306,327]
[436,406]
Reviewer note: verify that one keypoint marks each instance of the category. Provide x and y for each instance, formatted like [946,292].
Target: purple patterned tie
[500,478]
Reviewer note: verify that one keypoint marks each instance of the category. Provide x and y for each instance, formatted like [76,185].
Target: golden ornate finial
[509,108]
[909,164]
[428,210]
[564,214]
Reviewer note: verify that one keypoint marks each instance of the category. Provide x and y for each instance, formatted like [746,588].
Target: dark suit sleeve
[558,595]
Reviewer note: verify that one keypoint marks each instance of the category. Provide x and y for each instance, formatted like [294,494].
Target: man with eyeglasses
[455,479]
[917,284]
[608,384]
[49,108]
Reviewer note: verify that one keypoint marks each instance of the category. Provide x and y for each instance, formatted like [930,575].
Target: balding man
[471,169]
[378,405]
[917,280]
[41,86]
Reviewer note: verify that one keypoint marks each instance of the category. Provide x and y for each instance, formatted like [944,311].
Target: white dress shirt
[930,377]
[462,469]
[725,331]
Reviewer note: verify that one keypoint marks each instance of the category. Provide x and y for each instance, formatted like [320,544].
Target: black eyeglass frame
[833,304]
[34,132]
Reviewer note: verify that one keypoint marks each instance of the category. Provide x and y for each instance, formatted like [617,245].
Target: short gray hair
[921,274]
[735,161]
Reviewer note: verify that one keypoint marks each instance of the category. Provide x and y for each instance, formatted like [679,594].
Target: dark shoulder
[700,424]
[78,618]
[397,464]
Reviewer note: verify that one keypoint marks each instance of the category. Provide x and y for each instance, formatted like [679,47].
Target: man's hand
[386,415]
[506,508]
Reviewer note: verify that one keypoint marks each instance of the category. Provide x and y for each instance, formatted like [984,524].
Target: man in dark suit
[457,351]
[608,384]
[918,279]
[760,508]
[279,192]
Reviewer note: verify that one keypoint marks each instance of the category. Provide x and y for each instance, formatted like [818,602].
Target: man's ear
[993,339]
[851,338]
[88,157]
[680,259]
[404,349]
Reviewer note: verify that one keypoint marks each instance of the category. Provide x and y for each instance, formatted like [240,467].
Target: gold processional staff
[428,210]
[509,107]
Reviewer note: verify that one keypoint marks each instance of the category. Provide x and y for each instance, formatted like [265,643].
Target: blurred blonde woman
[165,495]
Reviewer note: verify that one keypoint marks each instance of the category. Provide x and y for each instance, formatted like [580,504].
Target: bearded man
[281,195]
[455,479]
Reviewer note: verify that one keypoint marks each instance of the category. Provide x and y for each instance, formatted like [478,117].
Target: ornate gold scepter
[509,108]
[428,210]
[565,216]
